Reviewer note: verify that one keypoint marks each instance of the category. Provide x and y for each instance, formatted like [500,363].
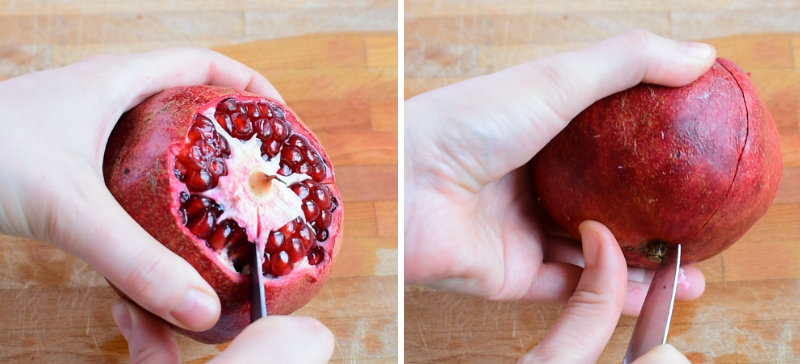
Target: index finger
[135,77]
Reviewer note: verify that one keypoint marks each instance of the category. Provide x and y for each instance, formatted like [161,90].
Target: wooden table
[335,66]
[749,311]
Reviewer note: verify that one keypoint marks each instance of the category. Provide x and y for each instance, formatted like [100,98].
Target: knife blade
[258,303]
[652,326]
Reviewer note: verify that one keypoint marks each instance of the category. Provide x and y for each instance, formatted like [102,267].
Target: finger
[665,353]
[691,285]
[146,271]
[567,83]
[537,99]
[150,340]
[280,339]
[161,69]
[591,314]
[566,250]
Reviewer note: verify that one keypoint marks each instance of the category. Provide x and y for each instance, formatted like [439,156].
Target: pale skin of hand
[272,339]
[55,125]
[469,222]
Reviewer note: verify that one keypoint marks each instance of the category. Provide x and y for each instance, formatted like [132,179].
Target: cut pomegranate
[213,173]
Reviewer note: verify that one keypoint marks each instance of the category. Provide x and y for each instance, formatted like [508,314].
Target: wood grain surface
[748,313]
[334,62]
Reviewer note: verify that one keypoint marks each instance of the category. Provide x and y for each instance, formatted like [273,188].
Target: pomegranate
[217,174]
[695,165]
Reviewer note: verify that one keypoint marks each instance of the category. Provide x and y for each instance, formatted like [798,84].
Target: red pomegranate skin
[138,169]
[695,165]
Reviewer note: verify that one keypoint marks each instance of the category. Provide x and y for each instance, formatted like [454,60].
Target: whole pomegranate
[695,165]
[212,173]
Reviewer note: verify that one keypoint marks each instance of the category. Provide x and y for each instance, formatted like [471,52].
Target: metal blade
[652,326]
[258,303]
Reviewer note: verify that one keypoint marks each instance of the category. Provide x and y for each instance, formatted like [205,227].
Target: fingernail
[122,316]
[637,275]
[696,50]
[198,310]
[591,243]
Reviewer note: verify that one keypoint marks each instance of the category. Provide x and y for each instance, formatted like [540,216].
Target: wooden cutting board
[55,308]
[748,313]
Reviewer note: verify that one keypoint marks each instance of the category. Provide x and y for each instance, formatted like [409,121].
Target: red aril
[212,173]
[695,165]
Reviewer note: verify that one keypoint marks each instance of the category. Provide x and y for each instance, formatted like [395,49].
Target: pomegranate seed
[239,254]
[220,235]
[218,167]
[277,113]
[318,172]
[252,110]
[195,205]
[242,126]
[192,157]
[306,234]
[203,124]
[263,129]
[324,219]
[202,128]
[334,203]
[199,181]
[316,255]
[280,264]
[322,196]
[264,109]
[297,141]
[280,130]
[310,210]
[291,156]
[301,190]
[322,235]
[207,151]
[274,242]
[311,156]
[295,249]
[224,120]
[285,170]
[180,170]
[289,229]
[226,106]
[184,196]
[182,217]
[224,148]
[271,149]
[226,232]
[203,227]
[303,168]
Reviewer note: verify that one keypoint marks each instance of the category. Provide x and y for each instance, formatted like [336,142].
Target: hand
[55,125]
[590,316]
[469,223]
[273,339]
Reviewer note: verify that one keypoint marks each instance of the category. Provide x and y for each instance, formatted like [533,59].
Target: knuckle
[145,281]
[638,38]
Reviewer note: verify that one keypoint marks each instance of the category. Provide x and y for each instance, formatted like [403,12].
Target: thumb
[560,87]
[522,108]
[280,339]
[103,234]
[591,314]
[666,354]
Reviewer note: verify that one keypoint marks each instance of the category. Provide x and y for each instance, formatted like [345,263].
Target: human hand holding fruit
[55,126]
[471,228]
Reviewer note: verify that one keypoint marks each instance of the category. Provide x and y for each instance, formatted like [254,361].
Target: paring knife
[258,303]
[652,326]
